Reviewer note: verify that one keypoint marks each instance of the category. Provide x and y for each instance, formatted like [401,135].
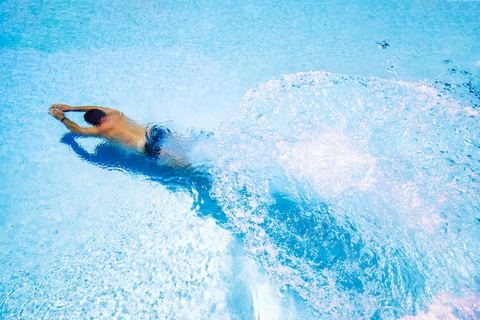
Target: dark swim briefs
[155,136]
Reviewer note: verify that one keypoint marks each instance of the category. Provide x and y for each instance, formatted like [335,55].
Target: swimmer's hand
[56,113]
[62,106]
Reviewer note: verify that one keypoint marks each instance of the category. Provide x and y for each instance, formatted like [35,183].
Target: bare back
[116,127]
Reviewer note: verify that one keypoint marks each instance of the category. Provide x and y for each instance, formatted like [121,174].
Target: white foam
[383,157]
[327,159]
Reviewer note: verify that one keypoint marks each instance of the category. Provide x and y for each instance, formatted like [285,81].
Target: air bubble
[383,44]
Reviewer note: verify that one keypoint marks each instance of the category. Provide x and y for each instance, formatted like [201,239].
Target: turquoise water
[336,147]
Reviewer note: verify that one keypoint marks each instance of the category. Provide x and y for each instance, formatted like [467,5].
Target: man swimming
[114,126]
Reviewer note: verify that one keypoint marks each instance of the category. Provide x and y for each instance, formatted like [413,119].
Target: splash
[359,194]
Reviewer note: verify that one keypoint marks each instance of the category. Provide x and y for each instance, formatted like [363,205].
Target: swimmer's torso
[118,128]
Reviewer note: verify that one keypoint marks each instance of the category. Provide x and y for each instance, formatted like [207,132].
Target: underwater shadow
[304,230]
[112,157]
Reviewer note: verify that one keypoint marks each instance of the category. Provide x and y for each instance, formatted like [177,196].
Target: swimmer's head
[94,116]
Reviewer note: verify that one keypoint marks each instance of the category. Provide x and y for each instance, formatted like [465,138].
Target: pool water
[335,146]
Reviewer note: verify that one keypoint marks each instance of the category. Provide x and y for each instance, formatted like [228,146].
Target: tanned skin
[115,126]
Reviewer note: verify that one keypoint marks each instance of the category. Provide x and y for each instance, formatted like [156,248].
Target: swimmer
[114,126]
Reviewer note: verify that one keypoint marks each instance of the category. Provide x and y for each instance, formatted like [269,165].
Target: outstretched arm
[65,108]
[86,131]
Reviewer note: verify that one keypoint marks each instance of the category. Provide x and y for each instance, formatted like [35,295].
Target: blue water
[336,154]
